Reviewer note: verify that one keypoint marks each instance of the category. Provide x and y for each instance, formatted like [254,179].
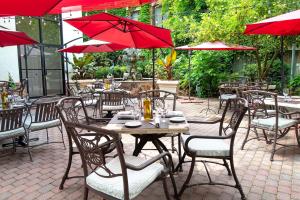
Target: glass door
[41,64]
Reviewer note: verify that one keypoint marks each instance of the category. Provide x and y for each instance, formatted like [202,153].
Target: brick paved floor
[260,178]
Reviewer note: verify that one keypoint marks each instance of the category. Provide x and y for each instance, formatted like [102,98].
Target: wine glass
[136,109]
[285,92]
[159,105]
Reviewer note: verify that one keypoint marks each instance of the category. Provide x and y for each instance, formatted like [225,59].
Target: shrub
[102,72]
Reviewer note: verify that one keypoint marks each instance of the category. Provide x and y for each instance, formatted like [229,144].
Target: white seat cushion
[42,125]
[137,180]
[227,96]
[113,108]
[207,147]
[12,133]
[270,123]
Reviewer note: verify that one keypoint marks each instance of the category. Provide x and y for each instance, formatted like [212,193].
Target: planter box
[168,85]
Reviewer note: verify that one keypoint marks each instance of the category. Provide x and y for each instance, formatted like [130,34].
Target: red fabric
[89,5]
[286,24]
[26,7]
[11,38]
[93,48]
[123,31]
[216,46]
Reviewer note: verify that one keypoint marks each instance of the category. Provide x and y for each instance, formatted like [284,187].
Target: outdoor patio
[260,178]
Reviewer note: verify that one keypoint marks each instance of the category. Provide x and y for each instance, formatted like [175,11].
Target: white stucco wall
[70,33]
[9,55]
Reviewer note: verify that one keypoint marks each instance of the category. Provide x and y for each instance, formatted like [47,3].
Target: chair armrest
[149,162]
[289,113]
[212,121]
[208,137]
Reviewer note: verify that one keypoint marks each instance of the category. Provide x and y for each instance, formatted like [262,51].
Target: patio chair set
[23,119]
[265,112]
[111,173]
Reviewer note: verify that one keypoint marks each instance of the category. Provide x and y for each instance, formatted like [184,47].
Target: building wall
[9,55]
[70,33]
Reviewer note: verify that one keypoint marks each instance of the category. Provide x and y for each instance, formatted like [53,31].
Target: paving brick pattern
[260,178]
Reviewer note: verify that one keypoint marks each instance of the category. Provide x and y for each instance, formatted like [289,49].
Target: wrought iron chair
[161,96]
[12,126]
[269,119]
[110,102]
[123,177]
[42,115]
[227,91]
[73,109]
[22,87]
[215,147]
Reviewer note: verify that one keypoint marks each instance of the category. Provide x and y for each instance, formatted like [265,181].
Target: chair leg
[165,185]
[179,165]
[86,193]
[297,135]
[246,138]
[274,146]
[238,185]
[185,184]
[64,178]
[179,151]
[62,135]
[47,136]
[172,144]
[28,146]
[227,167]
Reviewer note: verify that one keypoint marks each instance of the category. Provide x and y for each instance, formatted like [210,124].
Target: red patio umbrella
[281,25]
[89,5]
[212,46]
[26,7]
[123,31]
[286,24]
[43,7]
[11,38]
[93,46]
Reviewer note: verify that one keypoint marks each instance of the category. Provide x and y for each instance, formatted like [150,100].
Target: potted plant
[167,63]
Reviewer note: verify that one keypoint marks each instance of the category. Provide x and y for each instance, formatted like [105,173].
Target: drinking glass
[285,92]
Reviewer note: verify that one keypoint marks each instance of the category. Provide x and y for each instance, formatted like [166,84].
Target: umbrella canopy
[89,5]
[93,46]
[26,7]
[286,24]
[11,38]
[216,46]
[123,31]
[43,7]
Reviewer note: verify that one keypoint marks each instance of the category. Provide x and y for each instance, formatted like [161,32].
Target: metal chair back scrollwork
[73,110]
[159,96]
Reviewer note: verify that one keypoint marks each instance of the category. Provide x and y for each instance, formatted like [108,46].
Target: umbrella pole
[282,64]
[190,52]
[153,69]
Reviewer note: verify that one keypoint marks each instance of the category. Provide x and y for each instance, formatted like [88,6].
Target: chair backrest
[93,151]
[159,96]
[11,119]
[257,105]
[72,109]
[43,109]
[112,98]
[231,119]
